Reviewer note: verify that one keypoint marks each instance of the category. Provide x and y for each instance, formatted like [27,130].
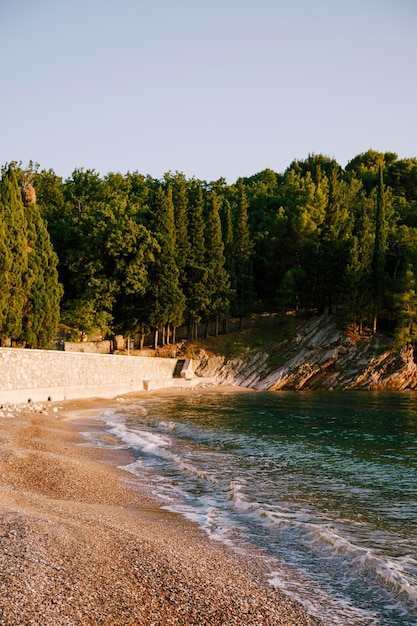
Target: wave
[253,490]
[391,572]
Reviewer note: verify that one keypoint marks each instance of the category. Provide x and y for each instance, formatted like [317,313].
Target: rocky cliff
[322,355]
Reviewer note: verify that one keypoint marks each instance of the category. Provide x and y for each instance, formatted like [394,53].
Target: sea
[320,485]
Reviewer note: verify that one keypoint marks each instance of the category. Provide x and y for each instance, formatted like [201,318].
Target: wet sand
[81,545]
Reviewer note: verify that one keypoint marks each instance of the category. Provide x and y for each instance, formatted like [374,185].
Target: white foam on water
[222,498]
[394,573]
[390,571]
[332,610]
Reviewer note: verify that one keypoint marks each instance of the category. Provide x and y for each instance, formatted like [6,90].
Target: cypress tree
[243,247]
[41,309]
[227,234]
[380,248]
[182,243]
[167,299]
[196,271]
[15,254]
[30,292]
[218,282]
[5,269]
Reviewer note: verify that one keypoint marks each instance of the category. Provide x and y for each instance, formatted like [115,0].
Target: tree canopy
[136,254]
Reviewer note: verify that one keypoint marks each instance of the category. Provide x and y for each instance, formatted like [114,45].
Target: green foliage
[137,253]
[241,344]
[243,279]
[168,301]
[380,248]
[81,315]
[6,264]
[405,306]
[15,255]
[218,281]
[41,309]
[196,271]
[30,292]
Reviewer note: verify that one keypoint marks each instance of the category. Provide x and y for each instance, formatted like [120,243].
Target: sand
[80,545]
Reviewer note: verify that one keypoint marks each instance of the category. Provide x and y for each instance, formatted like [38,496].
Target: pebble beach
[80,545]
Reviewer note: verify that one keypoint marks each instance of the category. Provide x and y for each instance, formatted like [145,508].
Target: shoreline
[81,546]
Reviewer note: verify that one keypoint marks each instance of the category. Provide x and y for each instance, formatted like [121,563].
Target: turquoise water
[322,485]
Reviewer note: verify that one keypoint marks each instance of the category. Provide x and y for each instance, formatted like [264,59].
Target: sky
[213,89]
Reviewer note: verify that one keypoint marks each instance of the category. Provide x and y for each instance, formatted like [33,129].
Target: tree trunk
[155,342]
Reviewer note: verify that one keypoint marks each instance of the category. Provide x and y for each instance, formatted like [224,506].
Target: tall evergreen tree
[6,263]
[243,247]
[196,292]
[380,249]
[227,233]
[16,244]
[218,282]
[168,301]
[182,244]
[30,293]
[357,277]
[303,211]
[403,285]
[333,248]
[41,309]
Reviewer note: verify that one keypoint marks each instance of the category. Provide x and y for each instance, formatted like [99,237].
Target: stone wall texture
[42,375]
[95,347]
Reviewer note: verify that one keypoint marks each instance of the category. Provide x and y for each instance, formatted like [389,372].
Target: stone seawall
[42,375]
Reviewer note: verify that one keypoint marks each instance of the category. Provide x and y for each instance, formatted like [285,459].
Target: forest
[134,255]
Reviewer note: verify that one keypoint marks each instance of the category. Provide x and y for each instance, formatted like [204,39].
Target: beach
[83,545]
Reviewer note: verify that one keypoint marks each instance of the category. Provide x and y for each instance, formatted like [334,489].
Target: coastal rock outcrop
[322,355]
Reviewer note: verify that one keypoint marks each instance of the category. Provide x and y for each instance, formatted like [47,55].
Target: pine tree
[405,308]
[333,248]
[357,277]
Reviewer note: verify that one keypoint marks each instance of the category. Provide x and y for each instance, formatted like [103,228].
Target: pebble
[80,548]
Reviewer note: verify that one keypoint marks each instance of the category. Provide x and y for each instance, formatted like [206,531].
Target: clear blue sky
[210,88]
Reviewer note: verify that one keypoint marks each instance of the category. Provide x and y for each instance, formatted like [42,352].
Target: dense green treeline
[138,254]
